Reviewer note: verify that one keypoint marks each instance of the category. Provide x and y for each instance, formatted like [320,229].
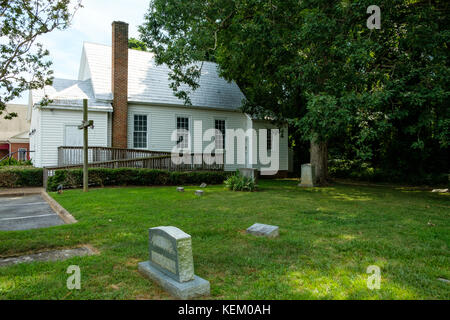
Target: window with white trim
[22,154]
[183,132]
[219,125]
[140,131]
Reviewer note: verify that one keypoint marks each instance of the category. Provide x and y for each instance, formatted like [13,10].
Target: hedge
[20,177]
[73,178]
[359,170]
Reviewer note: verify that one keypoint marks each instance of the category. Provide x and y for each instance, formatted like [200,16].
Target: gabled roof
[70,93]
[15,126]
[21,137]
[149,83]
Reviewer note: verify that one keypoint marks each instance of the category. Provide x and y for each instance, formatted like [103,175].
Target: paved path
[26,212]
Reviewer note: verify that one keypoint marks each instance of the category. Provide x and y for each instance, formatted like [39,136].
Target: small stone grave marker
[265,230]
[203,185]
[440,190]
[171,263]
[308,175]
[444,280]
[180,189]
[249,173]
[199,193]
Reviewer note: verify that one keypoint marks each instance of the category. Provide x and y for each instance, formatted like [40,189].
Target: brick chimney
[119,83]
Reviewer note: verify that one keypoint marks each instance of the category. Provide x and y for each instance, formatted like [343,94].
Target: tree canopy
[136,44]
[316,65]
[24,62]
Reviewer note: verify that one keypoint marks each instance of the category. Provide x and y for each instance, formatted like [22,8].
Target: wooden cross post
[85,147]
[84,126]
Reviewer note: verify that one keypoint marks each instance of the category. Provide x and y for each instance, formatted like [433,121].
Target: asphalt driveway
[26,212]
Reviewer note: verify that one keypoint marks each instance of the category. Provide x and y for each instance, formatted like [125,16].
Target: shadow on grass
[328,237]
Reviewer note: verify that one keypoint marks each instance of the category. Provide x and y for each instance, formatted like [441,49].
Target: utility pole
[84,126]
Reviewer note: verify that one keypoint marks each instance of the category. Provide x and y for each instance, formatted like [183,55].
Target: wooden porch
[104,157]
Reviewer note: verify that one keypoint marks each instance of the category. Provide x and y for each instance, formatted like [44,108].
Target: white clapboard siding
[52,133]
[162,122]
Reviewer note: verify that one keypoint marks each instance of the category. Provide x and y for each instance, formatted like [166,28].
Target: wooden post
[85,146]
[45,178]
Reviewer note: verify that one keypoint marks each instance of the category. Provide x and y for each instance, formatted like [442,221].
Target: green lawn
[328,237]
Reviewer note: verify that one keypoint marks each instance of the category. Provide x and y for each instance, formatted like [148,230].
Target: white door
[73,137]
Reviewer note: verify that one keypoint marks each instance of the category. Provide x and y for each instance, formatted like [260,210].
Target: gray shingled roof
[149,83]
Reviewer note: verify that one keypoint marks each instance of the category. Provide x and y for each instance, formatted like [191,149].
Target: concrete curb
[20,192]
[60,211]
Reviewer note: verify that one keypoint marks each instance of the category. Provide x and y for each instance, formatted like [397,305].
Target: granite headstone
[308,175]
[171,263]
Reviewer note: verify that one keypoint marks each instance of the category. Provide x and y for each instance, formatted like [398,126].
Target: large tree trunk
[319,159]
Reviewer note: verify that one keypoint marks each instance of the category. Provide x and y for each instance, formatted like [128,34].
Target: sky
[91,23]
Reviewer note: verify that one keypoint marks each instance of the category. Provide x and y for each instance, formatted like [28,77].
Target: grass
[328,238]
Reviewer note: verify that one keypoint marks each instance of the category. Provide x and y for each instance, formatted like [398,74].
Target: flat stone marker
[180,189]
[264,230]
[440,190]
[199,193]
[308,175]
[203,185]
[171,263]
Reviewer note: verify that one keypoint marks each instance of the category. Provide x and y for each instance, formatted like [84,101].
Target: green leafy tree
[24,63]
[137,44]
[316,64]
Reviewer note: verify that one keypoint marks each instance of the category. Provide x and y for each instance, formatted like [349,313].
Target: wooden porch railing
[161,161]
[74,155]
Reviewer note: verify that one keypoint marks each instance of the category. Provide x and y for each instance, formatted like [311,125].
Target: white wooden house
[132,106]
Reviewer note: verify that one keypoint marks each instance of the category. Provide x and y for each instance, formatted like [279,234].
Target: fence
[74,155]
[10,155]
[68,158]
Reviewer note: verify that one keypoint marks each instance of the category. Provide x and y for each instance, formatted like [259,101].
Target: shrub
[14,162]
[359,170]
[20,177]
[238,182]
[73,178]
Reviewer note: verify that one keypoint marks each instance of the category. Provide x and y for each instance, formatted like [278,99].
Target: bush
[14,162]
[238,182]
[363,171]
[20,177]
[73,178]
[354,169]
